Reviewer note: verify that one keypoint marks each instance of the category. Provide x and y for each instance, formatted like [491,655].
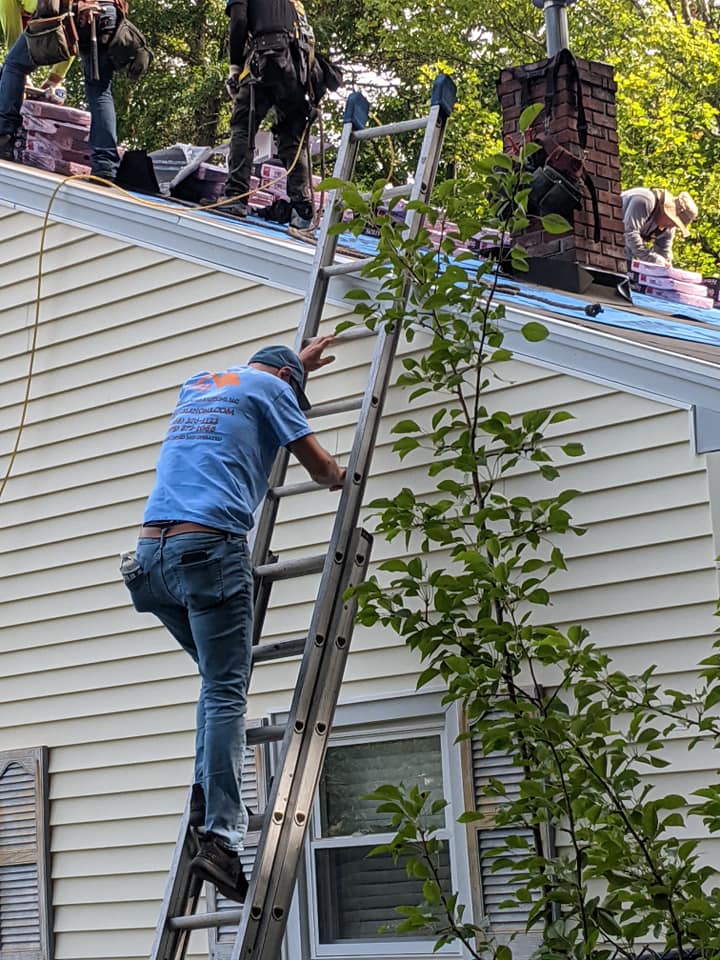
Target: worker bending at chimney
[651,219]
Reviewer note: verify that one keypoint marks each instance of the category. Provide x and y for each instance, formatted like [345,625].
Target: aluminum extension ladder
[262,919]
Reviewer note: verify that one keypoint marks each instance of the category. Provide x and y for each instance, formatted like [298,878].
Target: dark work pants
[277,87]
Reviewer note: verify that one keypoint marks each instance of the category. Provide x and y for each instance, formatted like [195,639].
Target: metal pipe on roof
[557,35]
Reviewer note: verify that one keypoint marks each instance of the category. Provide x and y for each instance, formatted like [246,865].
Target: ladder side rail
[356,113]
[333,584]
[312,758]
[283,838]
[181,889]
[349,507]
[310,321]
[381,370]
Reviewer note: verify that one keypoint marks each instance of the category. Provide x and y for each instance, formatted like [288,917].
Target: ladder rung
[358,332]
[400,191]
[286,569]
[347,266]
[291,489]
[275,651]
[335,406]
[265,734]
[390,129]
[200,921]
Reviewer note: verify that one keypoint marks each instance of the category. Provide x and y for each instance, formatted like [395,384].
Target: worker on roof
[271,54]
[98,90]
[651,218]
[192,568]
[14,17]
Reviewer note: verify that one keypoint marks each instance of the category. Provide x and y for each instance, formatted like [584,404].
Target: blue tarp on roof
[678,321]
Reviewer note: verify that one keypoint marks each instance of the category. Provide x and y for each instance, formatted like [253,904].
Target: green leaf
[554,223]
[405,426]
[528,115]
[534,331]
[573,449]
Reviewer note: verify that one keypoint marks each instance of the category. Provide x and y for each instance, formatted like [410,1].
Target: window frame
[402,716]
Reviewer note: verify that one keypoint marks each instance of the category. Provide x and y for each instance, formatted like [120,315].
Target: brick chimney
[520,86]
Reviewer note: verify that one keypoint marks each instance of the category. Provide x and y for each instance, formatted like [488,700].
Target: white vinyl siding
[106,689]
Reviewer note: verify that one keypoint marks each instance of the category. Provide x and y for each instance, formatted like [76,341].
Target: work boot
[216,863]
[197,806]
[301,215]
[237,210]
[7,146]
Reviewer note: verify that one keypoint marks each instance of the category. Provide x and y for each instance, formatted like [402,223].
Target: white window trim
[408,714]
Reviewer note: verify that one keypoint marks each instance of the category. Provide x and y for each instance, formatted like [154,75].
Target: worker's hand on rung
[311,355]
[341,480]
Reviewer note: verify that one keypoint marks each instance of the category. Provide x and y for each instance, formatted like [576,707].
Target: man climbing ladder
[325,643]
[192,568]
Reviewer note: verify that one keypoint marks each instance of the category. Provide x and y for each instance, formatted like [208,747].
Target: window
[349,899]
[352,905]
[25,927]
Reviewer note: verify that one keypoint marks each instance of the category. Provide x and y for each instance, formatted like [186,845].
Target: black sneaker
[7,146]
[197,806]
[236,210]
[302,214]
[215,863]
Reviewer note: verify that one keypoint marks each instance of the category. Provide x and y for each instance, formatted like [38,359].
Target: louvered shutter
[254,794]
[25,928]
[500,885]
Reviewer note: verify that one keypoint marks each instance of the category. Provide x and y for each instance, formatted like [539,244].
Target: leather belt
[172,530]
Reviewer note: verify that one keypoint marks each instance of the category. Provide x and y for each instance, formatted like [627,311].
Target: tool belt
[51,39]
[128,50]
[267,42]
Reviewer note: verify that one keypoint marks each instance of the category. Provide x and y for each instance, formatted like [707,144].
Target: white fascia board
[607,358]
[227,246]
[285,263]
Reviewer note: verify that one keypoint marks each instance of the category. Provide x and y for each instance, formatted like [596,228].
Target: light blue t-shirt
[223,437]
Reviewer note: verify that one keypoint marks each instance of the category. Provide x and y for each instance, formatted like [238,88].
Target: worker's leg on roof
[200,586]
[15,69]
[291,129]
[103,126]
[292,109]
[242,136]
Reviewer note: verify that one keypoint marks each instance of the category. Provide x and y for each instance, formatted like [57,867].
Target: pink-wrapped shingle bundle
[211,181]
[54,138]
[671,283]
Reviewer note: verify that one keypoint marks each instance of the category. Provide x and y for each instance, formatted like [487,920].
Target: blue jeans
[103,136]
[200,586]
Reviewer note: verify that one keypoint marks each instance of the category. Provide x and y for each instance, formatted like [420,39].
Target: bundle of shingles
[54,138]
[673,284]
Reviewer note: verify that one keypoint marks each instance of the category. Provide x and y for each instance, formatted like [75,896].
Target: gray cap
[280,356]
